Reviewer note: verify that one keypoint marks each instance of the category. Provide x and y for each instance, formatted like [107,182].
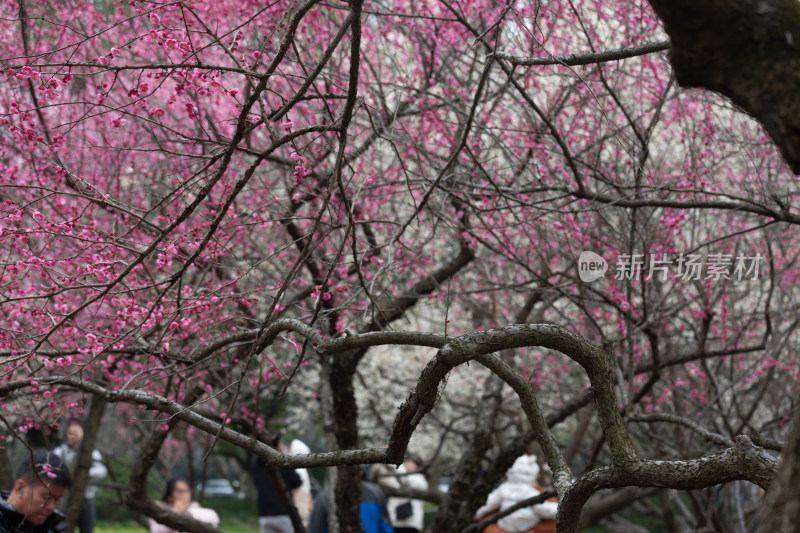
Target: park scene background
[458,231]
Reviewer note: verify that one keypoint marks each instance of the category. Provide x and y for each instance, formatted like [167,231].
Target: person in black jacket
[30,506]
[272,514]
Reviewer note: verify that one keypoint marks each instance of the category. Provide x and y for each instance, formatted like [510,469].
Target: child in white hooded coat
[518,486]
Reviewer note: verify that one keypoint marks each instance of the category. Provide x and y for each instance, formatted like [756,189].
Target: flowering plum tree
[210,203]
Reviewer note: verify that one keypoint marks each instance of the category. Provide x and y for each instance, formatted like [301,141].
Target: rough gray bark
[743,461]
[747,50]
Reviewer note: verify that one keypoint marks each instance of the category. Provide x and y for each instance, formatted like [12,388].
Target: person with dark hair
[273,517]
[69,452]
[30,506]
[178,496]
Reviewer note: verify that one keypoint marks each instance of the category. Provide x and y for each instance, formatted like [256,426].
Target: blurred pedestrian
[178,497]
[273,517]
[407,514]
[520,484]
[97,471]
[30,506]
[302,494]
[372,507]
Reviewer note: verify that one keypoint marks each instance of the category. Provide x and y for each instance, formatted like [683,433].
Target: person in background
[178,497]
[69,452]
[30,506]
[372,507]
[273,517]
[407,514]
[302,494]
[520,484]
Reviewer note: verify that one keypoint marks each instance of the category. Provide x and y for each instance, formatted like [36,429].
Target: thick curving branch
[562,475]
[595,359]
[742,461]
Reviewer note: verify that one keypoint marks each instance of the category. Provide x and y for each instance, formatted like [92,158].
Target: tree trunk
[747,50]
[347,492]
[80,472]
[781,510]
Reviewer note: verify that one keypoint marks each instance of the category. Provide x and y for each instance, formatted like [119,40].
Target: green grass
[105,526]
[235,516]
